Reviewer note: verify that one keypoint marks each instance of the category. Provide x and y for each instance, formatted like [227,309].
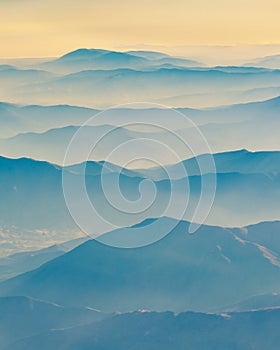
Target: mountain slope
[272,62]
[24,317]
[32,198]
[19,263]
[234,331]
[241,161]
[52,144]
[13,78]
[207,271]
[17,119]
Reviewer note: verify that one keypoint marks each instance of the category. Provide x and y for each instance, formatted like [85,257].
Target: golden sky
[42,28]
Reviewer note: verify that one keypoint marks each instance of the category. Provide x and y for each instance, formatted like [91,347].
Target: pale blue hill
[17,119]
[151,55]
[6,66]
[85,59]
[240,161]
[272,62]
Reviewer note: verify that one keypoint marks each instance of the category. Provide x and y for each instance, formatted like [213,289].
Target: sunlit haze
[37,28]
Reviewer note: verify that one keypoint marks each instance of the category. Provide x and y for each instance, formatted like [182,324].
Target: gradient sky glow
[34,28]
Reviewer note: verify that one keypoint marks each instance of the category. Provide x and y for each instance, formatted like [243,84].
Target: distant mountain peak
[83,53]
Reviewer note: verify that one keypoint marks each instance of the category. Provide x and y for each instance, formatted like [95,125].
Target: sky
[49,28]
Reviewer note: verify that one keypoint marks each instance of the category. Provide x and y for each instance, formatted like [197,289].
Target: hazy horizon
[48,29]
[209,54]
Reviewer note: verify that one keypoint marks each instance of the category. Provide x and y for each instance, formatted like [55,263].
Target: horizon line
[139,47]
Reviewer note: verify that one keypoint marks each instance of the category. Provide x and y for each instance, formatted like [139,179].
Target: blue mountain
[85,59]
[22,317]
[167,331]
[208,271]
[240,161]
[126,84]
[19,263]
[32,196]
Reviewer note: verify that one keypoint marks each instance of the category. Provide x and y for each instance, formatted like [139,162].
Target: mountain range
[103,88]
[252,126]
[86,59]
[150,330]
[208,271]
[102,78]
[241,161]
[175,242]
[24,182]
[19,263]
[23,317]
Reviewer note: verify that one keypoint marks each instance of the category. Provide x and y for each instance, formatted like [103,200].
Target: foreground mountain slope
[206,271]
[165,331]
[19,263]
[23,317]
